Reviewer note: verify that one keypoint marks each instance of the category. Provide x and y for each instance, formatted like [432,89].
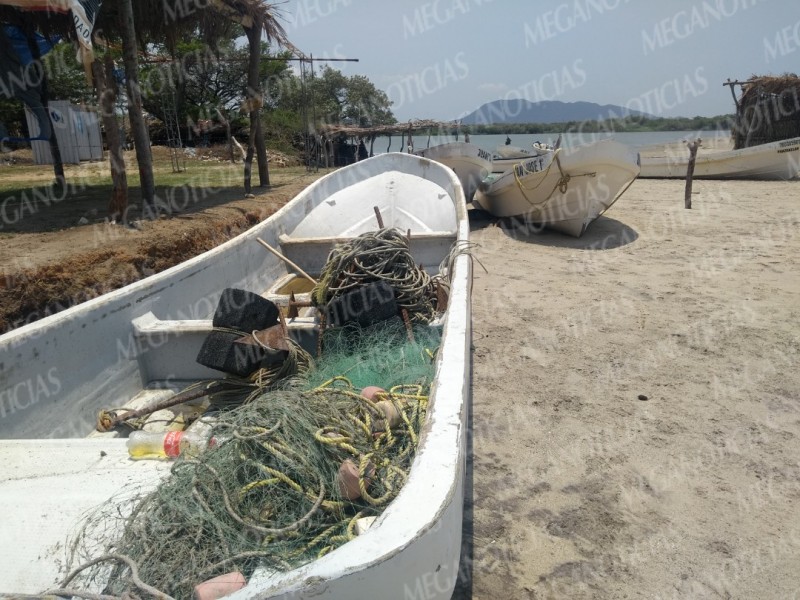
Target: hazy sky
[441,59]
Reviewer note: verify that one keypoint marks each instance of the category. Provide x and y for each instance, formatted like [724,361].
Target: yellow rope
[256,484]
[542,173]
[562,185]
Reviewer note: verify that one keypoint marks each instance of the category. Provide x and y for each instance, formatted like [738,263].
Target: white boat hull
[469,162]
[562,191]
[773,161]
[504,158]
[58,372]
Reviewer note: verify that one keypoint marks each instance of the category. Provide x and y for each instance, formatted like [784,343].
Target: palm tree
[256,17]
[136,23]
[141,137]
[155,20]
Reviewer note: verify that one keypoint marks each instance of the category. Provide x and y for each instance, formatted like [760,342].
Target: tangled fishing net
[293,471]
[300,456]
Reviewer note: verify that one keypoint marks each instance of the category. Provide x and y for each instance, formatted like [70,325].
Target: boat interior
[69,477]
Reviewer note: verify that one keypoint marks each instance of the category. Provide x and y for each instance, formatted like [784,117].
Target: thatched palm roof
[755,88]
[768,110]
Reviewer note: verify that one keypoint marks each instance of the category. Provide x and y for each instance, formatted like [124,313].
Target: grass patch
[32,294]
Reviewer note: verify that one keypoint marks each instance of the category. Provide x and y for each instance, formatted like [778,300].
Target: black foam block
[222,352]
[364,306]
[244,311]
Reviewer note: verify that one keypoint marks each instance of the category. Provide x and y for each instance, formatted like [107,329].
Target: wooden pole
[286,260]
[693,146]
[107,94]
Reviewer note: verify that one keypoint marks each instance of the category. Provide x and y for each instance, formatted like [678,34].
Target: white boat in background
[139,343]
[505,157]
[471,163]
[562,190]
[773,161]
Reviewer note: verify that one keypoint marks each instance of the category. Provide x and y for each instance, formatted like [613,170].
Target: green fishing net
[270,494]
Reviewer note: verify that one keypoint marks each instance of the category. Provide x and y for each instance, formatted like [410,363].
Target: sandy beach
[636,421]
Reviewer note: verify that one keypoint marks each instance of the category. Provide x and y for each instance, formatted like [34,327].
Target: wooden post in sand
[693,146]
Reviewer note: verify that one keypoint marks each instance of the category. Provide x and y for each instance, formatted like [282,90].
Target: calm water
[568,140]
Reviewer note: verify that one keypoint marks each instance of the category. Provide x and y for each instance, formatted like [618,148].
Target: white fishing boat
[505,157]
[139,343]
[562,190]
[773,161]
[471,163]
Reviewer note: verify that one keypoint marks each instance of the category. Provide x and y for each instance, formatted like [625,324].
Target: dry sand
[636,422]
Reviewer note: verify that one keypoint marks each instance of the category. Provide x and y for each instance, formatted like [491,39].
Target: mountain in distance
[549,111]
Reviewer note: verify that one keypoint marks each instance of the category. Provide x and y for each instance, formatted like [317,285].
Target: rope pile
[382,255]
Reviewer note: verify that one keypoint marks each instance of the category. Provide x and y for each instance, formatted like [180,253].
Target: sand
[576,487]
[636,422]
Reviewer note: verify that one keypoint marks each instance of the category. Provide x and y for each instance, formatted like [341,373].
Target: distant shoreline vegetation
[623,125]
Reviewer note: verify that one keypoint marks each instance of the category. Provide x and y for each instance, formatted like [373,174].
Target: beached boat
[773,161]
[505,157]
[562,190]
[139,343]
[471,163]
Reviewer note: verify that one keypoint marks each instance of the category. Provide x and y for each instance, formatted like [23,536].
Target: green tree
[332,97]
[365,104]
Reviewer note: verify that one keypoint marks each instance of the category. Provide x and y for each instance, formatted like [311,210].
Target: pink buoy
[219,586]
[370,391]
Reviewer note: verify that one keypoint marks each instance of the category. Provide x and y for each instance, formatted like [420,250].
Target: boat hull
[469,162]
[773,161]
[564,192]
[101,353]
[505,157]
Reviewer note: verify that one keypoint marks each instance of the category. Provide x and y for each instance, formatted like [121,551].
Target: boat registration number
[531,166]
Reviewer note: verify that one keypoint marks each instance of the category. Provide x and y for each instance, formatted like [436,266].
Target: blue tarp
[20,43]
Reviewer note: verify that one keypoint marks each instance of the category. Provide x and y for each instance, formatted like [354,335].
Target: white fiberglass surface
[405,201]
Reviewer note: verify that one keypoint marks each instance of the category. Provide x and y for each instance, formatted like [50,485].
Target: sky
[441,59]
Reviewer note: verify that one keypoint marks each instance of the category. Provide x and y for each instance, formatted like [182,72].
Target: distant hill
[550,111]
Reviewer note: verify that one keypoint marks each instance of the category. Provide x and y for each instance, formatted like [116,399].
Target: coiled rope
[382,255]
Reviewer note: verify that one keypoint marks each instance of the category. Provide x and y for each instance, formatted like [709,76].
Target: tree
[141,137]
[262,19]
[333,97]
[166,21]
[365,104]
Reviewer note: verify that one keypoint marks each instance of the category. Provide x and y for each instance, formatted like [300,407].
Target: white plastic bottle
[166,444]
